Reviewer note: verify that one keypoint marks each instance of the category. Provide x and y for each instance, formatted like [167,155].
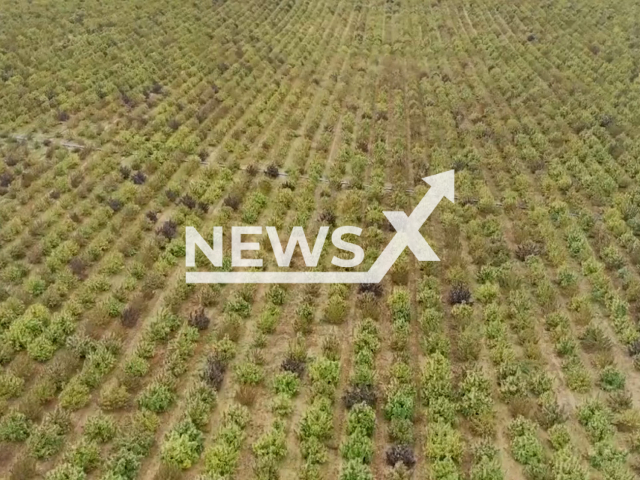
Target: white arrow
[408,228]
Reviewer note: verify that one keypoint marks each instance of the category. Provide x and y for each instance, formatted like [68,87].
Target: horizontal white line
[282,277]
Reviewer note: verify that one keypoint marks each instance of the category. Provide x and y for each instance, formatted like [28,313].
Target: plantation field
[517,356]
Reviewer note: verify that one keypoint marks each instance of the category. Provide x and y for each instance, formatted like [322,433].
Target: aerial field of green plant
[517,356]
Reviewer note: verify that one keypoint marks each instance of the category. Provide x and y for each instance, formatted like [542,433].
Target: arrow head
[442,183]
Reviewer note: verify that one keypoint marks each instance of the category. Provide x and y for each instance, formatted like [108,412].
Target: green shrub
[355,470]
[559,437]
[29,326]
[100,428]
[443,442]
[567,466]
[136,367]
[400,305]
[597,420]
[336,310]
[525,445]
[486,463]
[222,457]
[47,438]
[10,385]
[277,295]
[248,373]
[606,455]
[281,406]
[14,427]
[268,319]
[317,421]
[66,471]
[157,397]
[357,446]
[182,445]
[270,448]
[361,418]
[75,395]
[84,455]
[200,401]
[114,396]
[324,375]
[611,379]
[286,383]
[41,349]
[401,431]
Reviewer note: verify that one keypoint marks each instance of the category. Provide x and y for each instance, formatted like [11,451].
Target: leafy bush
[597,420]
[361,418]
[276,295]
[75,395]
[324,375]
[559,437]
[269,450]
[84,455]
[114,396]
[355,470]
[200,401]
[222,457]
[400,404]
[48,437]
[157,397]
[286,383]
[525,445]
[29,326]
[443,442]
[10,385]
[248,373]
[357,446]
[66,471]
[400,305]
[611,379]
[14,427]
[183,445]
[336,310]
[401,430]
[317,421]
[100,428]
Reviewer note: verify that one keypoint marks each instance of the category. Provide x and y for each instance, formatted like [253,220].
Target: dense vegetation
[517,356]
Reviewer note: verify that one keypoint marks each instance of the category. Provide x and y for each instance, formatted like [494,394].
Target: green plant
[336,310]
[597,419]
[114,396]
[361,419]
[14,427]
[84,455]
[66,471]
[357,446]
[248,373]
[10,385]
[157,397]
[443,442]
[286,383]
[100,428]
[611,379]
[183,445]
[47,438]
[75,395]
[324,375]
[355,470]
